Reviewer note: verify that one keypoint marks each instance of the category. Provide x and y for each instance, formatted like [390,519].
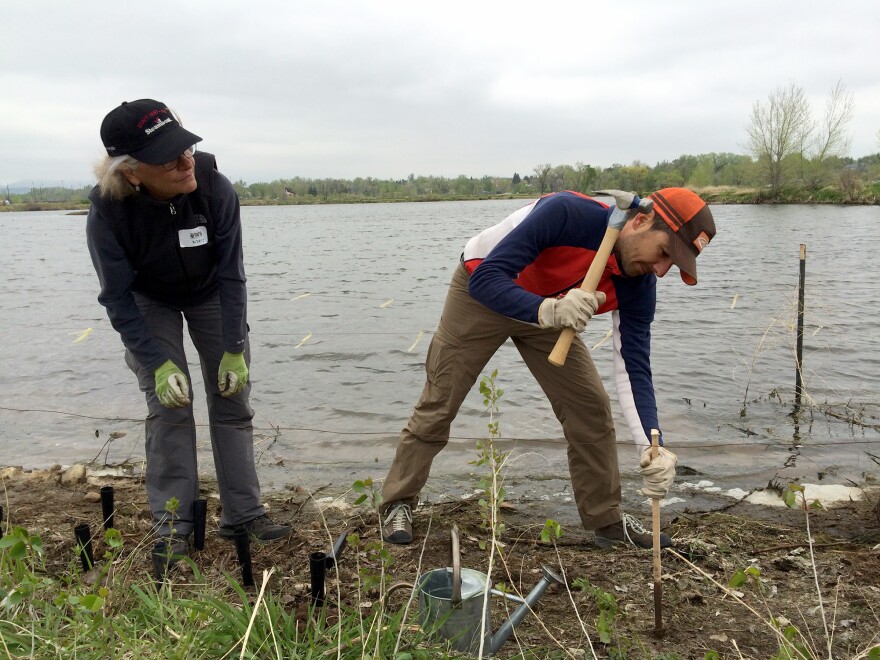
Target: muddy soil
[700,612]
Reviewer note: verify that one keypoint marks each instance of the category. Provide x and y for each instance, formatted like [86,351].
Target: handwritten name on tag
[193,237]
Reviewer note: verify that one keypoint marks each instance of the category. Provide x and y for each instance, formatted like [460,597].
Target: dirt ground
[699,615]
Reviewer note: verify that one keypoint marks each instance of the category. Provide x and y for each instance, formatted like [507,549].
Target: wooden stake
[655,522]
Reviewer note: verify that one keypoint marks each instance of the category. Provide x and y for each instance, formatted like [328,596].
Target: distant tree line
[46,195]
[723,177]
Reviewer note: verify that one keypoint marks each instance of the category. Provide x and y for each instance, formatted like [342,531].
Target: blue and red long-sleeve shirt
[544,250]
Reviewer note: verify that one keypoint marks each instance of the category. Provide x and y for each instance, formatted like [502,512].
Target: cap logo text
[157,125]
[150,115]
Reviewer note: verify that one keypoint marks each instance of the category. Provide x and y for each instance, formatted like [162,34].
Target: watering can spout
[506,630]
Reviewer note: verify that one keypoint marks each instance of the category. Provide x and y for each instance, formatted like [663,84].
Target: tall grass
[127,614]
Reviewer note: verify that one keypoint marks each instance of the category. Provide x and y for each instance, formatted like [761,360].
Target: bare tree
[542,172]
[831,138]
[778,129]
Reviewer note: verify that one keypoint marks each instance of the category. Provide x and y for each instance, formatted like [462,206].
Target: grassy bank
[869,195]
[742,581]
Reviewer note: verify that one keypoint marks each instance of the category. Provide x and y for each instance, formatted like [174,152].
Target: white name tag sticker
[193,237]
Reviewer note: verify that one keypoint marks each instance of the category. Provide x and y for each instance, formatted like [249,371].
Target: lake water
[343,301]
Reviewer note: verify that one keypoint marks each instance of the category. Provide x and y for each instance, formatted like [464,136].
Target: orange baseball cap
[692,227]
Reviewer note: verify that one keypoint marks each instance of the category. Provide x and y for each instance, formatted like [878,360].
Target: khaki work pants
[468,335]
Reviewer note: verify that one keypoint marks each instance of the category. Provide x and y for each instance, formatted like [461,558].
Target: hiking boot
[397,525]
[167,551]
[260,528]
[629,531]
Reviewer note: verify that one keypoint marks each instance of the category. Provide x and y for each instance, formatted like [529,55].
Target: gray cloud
[345,89]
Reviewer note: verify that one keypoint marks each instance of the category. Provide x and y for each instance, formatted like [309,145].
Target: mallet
[627,205]
[655,523]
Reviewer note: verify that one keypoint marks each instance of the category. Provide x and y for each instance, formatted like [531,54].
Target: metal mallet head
[626,201]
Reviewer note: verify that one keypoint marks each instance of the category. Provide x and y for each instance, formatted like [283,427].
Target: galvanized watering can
[451,604]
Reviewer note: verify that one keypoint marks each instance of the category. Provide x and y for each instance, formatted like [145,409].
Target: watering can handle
[456,565]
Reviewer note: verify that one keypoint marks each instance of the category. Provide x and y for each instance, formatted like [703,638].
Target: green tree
[703,174]
[585,176]
[562,177]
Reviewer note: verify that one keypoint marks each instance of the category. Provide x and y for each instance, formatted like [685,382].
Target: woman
[164,234]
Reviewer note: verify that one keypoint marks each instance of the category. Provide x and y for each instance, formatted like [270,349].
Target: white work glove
[572,311]
[659,473]
[171,386]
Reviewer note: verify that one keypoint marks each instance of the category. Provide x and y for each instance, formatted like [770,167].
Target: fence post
[799,353]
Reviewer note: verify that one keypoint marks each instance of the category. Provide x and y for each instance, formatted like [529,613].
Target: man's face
[640,249]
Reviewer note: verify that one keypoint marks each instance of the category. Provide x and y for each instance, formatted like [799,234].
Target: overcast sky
[329,88]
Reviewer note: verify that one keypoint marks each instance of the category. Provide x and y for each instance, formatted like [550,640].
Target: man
[519,280]
[164,234]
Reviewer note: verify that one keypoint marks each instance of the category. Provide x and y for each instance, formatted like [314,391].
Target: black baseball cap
[145,130]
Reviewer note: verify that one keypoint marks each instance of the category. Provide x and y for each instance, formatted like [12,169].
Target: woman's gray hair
[111,181]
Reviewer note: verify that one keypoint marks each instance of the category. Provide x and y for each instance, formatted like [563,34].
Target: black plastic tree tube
[84,542]
[319,562]
[107,506]
[338,547]
[200,516]
[243,548]
[317,569]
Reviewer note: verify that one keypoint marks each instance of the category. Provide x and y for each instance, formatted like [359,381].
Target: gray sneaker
[629,531]
[396,527]
[260,528]
[167,551]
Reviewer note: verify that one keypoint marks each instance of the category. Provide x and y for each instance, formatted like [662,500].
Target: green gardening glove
[171,386]
[233,374]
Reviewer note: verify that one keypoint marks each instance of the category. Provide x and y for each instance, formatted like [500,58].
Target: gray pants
[468,335]
[172,469]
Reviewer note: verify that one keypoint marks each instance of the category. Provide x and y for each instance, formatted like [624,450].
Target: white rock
[825,494]
[75,474]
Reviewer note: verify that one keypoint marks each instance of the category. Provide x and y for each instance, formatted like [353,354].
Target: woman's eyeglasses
[172,164]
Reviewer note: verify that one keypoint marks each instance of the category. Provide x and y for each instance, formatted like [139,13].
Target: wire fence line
[277,430]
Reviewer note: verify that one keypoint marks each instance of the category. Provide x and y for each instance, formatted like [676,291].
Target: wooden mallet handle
[590,283]
[627,205]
